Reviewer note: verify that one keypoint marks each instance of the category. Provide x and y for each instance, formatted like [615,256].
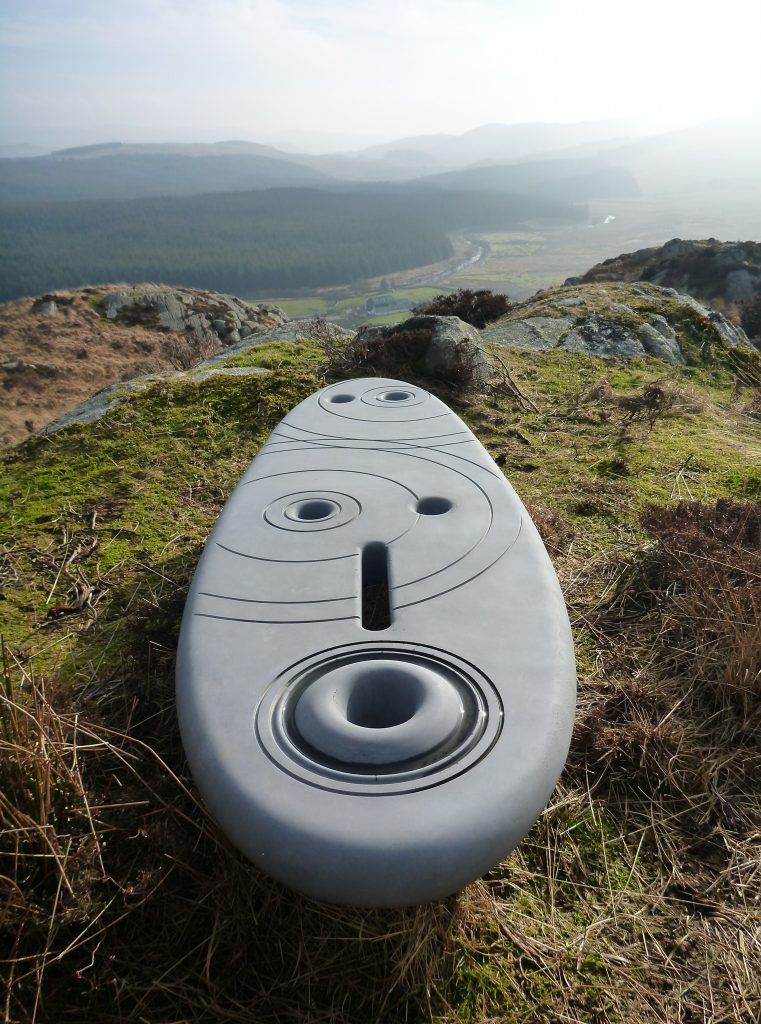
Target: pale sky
[354,71]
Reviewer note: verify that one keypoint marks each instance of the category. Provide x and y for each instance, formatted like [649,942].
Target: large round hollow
[384,698]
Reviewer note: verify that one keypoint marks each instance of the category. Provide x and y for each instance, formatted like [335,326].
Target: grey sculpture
[375,680]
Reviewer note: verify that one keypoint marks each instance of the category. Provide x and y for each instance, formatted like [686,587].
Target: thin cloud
[267,67]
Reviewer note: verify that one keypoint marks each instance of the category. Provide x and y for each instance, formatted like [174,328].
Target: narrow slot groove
[375,596]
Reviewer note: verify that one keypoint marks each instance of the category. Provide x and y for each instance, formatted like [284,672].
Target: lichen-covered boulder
[441,347]
[620,320]
[705,268]
[224,318]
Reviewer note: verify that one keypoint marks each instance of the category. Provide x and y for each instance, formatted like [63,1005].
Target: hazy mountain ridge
[711,157]
[507,142]
[228,148]
[711,154]
[116,174]
[571,180]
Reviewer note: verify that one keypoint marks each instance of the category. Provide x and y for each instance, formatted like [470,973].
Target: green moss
[744,483]
[155,472]
[580,447]
[281,355]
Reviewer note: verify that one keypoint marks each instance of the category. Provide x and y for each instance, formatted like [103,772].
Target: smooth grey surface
[390,766]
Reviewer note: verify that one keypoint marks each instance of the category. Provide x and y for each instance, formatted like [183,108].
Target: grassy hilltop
[635,896]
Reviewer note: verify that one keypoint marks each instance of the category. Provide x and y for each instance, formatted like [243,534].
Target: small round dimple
[339,399]
[312,510]
[433,506]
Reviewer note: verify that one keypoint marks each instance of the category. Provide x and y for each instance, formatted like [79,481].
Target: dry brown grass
[670,732]
[117,886]
[69,356]
[635,898]
[656,399]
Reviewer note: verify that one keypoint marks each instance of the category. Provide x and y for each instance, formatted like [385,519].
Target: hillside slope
[634,896]
[572,181]
[58,349]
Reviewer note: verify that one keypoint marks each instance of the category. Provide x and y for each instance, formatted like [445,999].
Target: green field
[351,310]
[514,243]
[387,318]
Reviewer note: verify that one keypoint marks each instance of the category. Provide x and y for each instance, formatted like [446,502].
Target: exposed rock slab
[224,318]
[538,332]
[618,320]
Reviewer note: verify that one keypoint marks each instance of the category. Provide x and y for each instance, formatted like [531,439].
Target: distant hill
[129,172]
[230,148]
[723,155]
[115,170]
[22,149]
[500,143]
[572,181]
[717,154]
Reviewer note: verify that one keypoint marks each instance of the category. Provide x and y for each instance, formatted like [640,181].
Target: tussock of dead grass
[634,898]
[105,846]
[670,731]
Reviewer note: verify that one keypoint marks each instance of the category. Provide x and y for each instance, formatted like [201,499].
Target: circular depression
[305,511]
[374,404]
[378,718]
[396,395]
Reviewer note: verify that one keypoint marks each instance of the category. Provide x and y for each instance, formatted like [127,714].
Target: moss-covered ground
[629,900]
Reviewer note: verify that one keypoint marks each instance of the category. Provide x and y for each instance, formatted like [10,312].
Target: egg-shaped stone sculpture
[376,679]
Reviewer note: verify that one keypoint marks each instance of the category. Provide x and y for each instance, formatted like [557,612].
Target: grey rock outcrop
[600,336]
[706,269]
[538,332]
[619,321]
[659,340]
[442,347]
[208,315]
[20,366]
